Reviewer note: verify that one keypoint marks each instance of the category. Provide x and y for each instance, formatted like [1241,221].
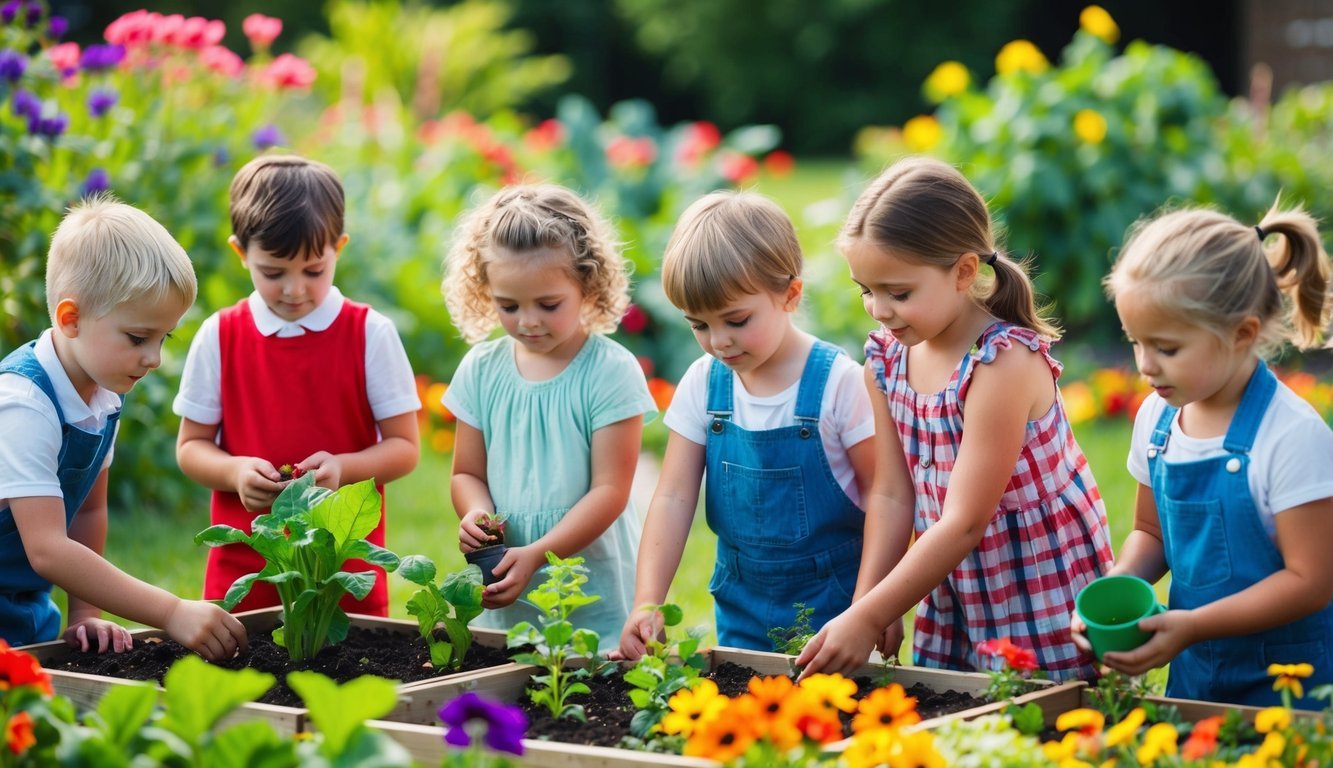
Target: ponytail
[1302,268]
[1013,298]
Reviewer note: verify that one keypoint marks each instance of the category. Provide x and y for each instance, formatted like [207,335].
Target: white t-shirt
[30,449]
[1291,461]
[390,387]
[845,414]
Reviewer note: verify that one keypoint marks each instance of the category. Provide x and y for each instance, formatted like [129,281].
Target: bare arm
[469,489]
[392,457]
[1143,553]
[888,502]
[86,629]
[255,480]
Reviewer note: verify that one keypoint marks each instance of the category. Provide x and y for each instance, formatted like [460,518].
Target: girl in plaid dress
[1008,521]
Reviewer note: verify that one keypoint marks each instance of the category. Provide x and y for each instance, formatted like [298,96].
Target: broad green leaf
[522,633]
[441,655]
[357,584]
[641,678]
[350,514]
[253,744]
[338,626]
[417,569]
[557,634]
[339,710]
[463,588]
[371,553]
[238,590]
[671,614]
[124,709]
[219,535]
[544,600]
[199,694]
[428,608]
[585,642]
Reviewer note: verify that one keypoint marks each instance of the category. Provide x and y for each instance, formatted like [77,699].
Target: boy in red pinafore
[293,374]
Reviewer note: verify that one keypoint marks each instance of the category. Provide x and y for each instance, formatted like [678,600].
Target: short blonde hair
[106,253]
[1212,271]
[526,218]
[727,244]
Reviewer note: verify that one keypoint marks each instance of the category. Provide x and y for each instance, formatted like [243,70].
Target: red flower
[288,71]
[18,668]
[630,152]
[18,733]
[737,168]
[545,136]
[1203,739]
[634,320]
[779,164]
[1021,659]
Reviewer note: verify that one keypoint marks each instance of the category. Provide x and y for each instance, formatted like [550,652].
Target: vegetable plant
[452,604]
[790,640]
[305,539]
[658,675]
[557,642]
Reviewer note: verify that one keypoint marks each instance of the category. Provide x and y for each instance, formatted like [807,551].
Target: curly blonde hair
[526,218]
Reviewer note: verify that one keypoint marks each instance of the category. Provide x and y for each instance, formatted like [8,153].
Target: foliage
[454,603]
[667,667]
[558,641]
[1010,667]
[791,640]
[305,539]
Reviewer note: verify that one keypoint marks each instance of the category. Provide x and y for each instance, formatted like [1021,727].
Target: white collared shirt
[390,387]
[30,429]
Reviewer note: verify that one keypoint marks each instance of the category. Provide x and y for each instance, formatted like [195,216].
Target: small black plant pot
[486,558]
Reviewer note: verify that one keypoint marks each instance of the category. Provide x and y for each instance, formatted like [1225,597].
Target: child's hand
[642,626]
[328,470]
[1078,633]
[515,571]
[892,641]
[257,483]
[207,630]
[1173,632]
[842,645]
[98,634]
[470,535]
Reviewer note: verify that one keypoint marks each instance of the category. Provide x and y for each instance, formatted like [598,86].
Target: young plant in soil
[791,640]
[487,557]
[667,667]
[451,605]
[304,539]
[557,642]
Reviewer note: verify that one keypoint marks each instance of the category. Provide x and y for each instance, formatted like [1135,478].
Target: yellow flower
[1080,405]
[1020,55]
[922,133]
[692,707]
[1090,126]
[1086,721]
[1123,731]
[1097,22]
[870,748]
[917,750]
[725,737]
[1160,740]
[832,691]
[948,79]
[1289,677]
[888,707]
[1272,719]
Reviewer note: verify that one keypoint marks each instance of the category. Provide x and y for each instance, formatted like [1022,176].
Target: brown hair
[927,211]
[526,218]
[1213,271]
[288,205]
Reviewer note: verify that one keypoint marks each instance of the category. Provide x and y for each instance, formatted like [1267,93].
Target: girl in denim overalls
[774,422]
[1235,470]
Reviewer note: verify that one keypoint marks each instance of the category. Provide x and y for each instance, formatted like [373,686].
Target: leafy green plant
[557,642]
[667,667]
[451,605]
[305,539]
[790,640]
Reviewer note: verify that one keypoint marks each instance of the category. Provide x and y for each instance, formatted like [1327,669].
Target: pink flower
[634,320]
[198,33]
[627,152]
[779,163]
[700,138]
[262,30]
[65,58]
[545,136]
[222,60]
[737,168]
[133,29]
[165,29]
[288,71]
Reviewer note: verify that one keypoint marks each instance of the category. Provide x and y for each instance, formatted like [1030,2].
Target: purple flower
[50,127]
[57,26]
[268,136]
[25,104]
[12,65]
[499,725]
[97,181]
[100,101]
[96,58]
[34,14]
[9,10]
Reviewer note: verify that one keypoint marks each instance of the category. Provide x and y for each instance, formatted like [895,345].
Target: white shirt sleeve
[28,466]
[1144,424]
[851,411]
[1300,470]
[390,386]
[200,396]
[687,415]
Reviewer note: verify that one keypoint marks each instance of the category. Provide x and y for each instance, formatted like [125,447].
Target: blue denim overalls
[27,613]
[786,531]
[1216,546]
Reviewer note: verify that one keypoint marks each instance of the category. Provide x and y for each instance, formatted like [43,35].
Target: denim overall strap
[27,614]
[1216,546]
[787,532]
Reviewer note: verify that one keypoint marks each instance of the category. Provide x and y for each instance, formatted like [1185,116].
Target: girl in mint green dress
[550,415]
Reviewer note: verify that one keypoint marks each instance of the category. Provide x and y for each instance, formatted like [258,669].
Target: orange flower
[727,736]
[888,707]
[18,668]
[832,691]
[18,733]
[1203,738]
[780,706]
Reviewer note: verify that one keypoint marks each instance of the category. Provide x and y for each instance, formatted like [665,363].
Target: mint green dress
[538,461]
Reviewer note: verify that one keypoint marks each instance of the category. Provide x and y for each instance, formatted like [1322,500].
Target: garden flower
[1160,740]
[662,391]
[634,320]
[25,104]
[18,669]
[12,65]
[222,60]
[1288,677]
[832,691]
[56,27]
[1123,731]
[545,136]
[100,101]
[922,133]
[698,139]
[96,58]
[1272,719]
[737,168]
[34,15]
[1090,126]
[1203,738]
[50,127]
[631,152]
[471,716]
[779,163]
[882,746]
[9,10]
[1097,22]
[691,707]
[1020,55]
[1088,722]
[261,30]
[268,136]
[65,58]
[198,33]
[888,707]
[97,181]
[950,78]
[288,71]
[18,733]
[133,29]
[726,736]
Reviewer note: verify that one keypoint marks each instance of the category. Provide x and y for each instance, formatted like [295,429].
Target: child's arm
[254,479]
[91,580]
[615,454]
[1004,396]
[1302,587]
[392,457]
[667,526]
[469,489]
[85,628]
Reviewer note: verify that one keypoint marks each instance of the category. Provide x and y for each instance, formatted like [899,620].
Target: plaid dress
[1048,537]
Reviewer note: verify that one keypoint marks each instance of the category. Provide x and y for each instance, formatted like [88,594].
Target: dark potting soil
[610,710]
[366,651]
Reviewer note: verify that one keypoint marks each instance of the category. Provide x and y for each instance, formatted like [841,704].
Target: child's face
[539,304]
[1183,362]
[914,302]
[119,348]
[292,288]
[746,332]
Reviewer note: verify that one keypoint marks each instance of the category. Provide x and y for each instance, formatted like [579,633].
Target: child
[1235,471]
[776,422]
[294,374]
[1009,523]
[116,285]
[550,414]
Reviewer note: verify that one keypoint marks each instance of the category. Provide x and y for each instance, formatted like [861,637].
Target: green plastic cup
[1111,607]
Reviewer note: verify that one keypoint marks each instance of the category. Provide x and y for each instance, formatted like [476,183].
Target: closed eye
[551,307]
[136,340]
[508,309]
[738,323]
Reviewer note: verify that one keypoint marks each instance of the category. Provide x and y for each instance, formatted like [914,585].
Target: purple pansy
[96,58]
[97,181]
[268,136]
[56,27]
[500,726]
[9,10]
[26,104]
[12,65]
[50,127]
[100,101]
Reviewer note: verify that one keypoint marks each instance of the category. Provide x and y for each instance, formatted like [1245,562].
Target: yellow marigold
[1020,55]
[888,707]
[1123,731]
[1089,722]
[693,707]
[832,691]
[1160,740]
[1288,677]
[1090,126]
[922,133]
[1272,719]
[948,79]
[1097,22]
[725,737]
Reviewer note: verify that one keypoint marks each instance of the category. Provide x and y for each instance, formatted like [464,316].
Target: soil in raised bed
[366,651]
[610,710]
